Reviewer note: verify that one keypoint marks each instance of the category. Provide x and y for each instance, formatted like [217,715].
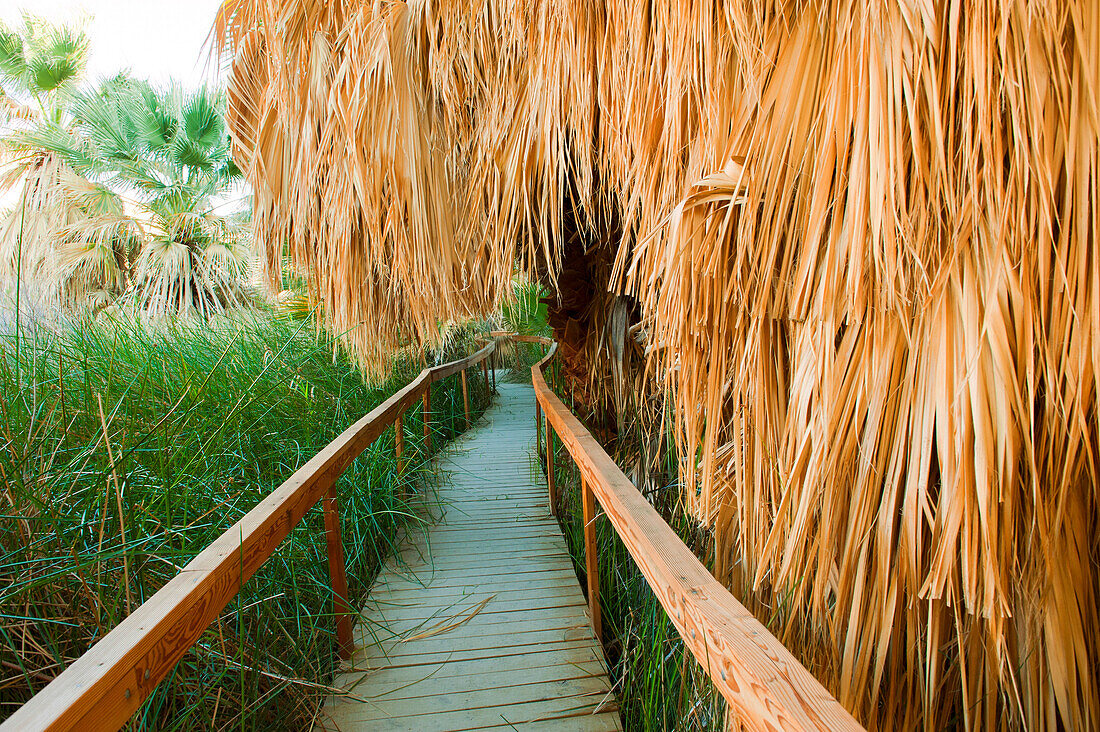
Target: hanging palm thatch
[863,238]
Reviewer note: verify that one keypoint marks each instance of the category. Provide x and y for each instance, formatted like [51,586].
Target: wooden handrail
[104,687]
[763,683]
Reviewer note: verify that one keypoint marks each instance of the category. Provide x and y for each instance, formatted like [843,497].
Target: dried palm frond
[862,238]
[65,239]
[192,263]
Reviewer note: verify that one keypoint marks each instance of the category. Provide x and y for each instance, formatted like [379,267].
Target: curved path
[479,623]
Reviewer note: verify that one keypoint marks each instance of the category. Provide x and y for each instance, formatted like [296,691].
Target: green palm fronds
[140,170]
[42,61]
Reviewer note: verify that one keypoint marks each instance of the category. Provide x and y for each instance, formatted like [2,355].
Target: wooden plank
[764,684]
[534,507]
[499,589]
[443,596]
[495,604]
[426,575]
[408,630]
[499,531]
[452,556]
[449,569]
[497,493]
[490,602]
[496,516]
[499,593]
[534,534]
[456,519]
[496,486]
[472,575]
[501,495]
[511,714]
[443,550]
[494,540]
[491,683]
[574,692]
[576,723]
[362,660]
[376,648]
[449,562]
[502,530]
[420,682]
[490,672]
[476,614]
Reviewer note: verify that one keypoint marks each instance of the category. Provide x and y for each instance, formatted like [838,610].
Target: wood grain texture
[105,686]
[764,684]
[399,443]
[478,620]
[551,483]
[466,398]
[591,557]
[426,418]
[337,572]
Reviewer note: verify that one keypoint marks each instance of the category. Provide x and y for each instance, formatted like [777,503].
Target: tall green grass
[126,448]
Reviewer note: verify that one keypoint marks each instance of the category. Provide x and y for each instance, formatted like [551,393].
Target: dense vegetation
[126,448]
[125,188]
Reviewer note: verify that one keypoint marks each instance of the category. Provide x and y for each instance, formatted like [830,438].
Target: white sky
[159,40]
[155,39]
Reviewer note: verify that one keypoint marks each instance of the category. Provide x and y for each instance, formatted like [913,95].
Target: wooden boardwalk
[479,623]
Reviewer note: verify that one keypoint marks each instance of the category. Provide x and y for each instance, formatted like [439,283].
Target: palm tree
[167,151]
[41,66]
[156,162]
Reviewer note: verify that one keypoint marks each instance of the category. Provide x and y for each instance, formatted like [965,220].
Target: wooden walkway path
[479,622]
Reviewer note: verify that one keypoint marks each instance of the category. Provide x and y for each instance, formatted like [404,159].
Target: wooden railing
[765,687]
[104,687]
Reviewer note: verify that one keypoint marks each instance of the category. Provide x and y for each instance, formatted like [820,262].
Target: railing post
[466,398]
[399,437]
[553,488]
[425,417]
[485,373]
[337,573]
[538,425]
[591,560]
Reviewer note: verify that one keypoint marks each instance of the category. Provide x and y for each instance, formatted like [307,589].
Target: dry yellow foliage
[864,238]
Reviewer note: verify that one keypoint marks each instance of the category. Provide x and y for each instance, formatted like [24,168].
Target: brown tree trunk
[577,313]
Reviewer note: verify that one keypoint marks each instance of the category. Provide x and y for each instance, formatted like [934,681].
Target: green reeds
[98,509]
